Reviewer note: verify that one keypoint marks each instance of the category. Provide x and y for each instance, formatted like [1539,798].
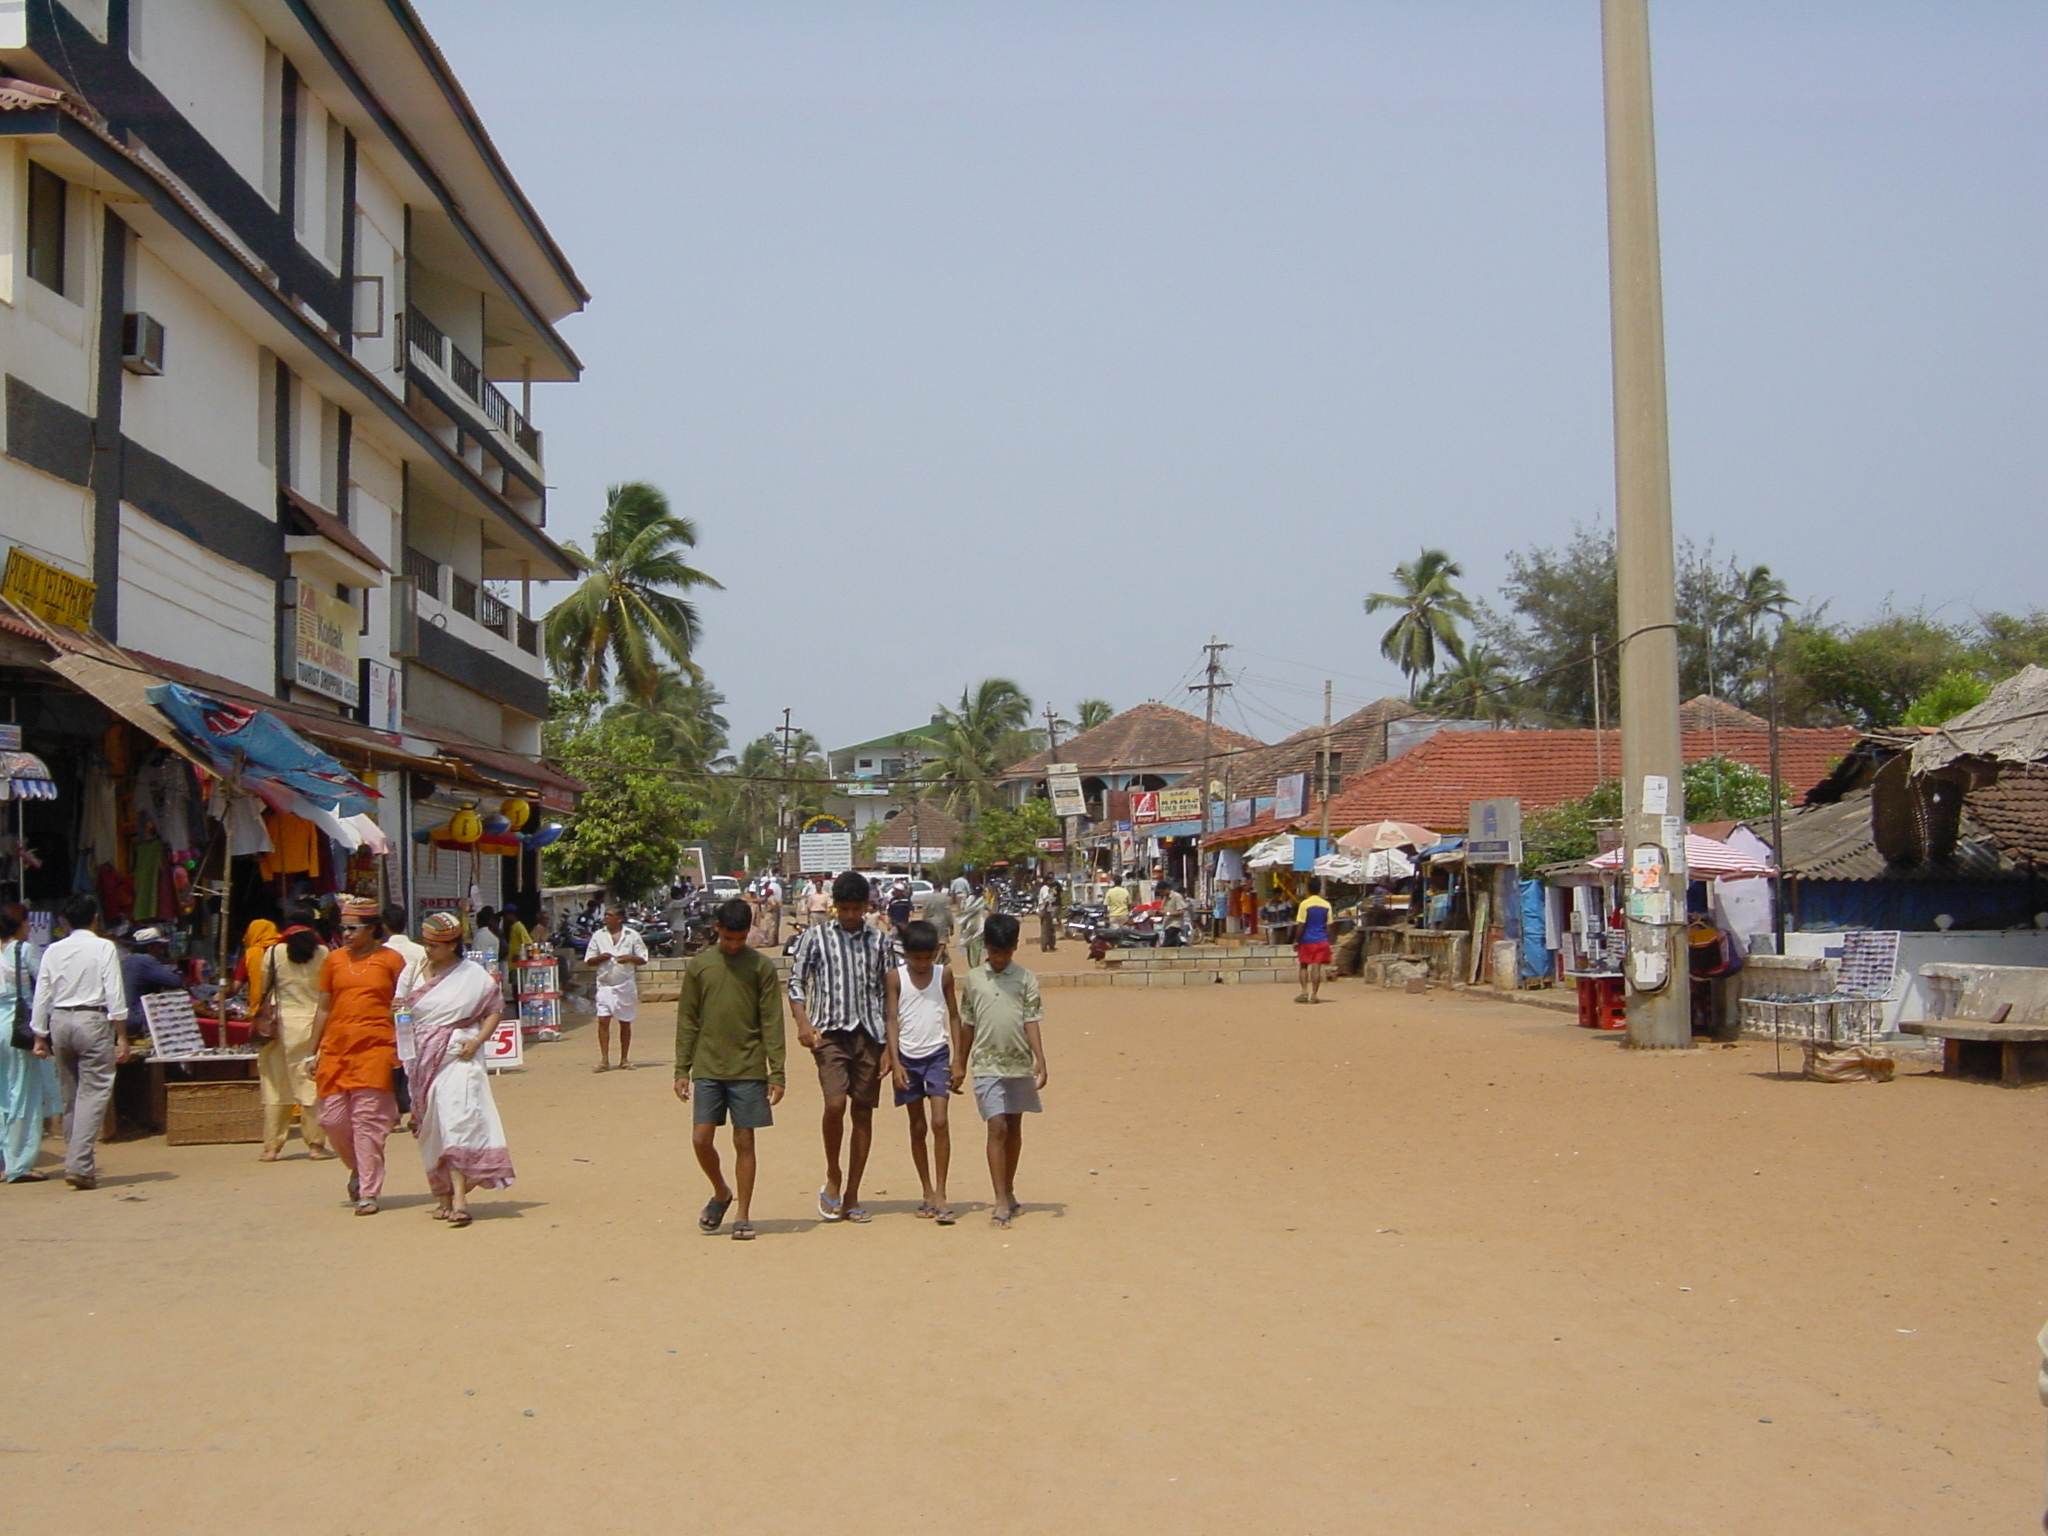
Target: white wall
[2005,947]
[206,56]
[181,601]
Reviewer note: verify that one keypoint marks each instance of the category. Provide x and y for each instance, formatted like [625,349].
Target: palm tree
[1475,687]
[751,792]
[1090,713]
[682,718]
[628,610]
[987,732]
[1430,606]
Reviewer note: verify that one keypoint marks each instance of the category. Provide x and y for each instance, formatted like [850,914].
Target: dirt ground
[1392,1264]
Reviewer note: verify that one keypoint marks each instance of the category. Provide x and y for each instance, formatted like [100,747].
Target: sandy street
[1393,1264]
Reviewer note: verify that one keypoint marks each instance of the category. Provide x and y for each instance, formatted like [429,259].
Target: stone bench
[1980,1051]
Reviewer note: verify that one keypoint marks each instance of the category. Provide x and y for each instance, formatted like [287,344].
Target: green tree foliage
[975,741]
[1868,675]
[1003,835]
[1430,606]
[748,793]
[2010,641]
[633,818]
[682,718]
[628,613]
[1952,693]
[1090,713]
[1558,604]
[1716,789]
[1477,686]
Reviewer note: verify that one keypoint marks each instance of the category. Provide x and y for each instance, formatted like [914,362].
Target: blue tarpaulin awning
[237,739]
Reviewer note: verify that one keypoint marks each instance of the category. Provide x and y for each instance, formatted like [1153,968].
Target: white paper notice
[1673,837]
[1656,794]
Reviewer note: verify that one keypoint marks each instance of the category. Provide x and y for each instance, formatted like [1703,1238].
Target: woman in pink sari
[454,1005]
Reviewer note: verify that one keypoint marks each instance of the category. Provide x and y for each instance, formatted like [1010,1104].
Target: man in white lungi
[617,952]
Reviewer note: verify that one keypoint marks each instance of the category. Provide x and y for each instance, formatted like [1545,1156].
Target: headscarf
[257,941]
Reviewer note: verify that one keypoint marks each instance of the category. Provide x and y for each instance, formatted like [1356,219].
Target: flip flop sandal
[602,1066]
[460,1219]
[828,1210]
[946,1215]
[1000,1218]
[713,1216]
[439,1213]
[927,1211]
[857,1215]
[743,1231]
[366,1207]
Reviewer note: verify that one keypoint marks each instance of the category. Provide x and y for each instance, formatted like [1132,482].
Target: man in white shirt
[617,952]
[81,1018]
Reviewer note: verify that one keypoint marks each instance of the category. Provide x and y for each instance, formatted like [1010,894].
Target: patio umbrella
[1386,834]
[1705,859]
[1276,852]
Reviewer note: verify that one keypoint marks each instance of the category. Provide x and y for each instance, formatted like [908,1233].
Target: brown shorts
[850,1065]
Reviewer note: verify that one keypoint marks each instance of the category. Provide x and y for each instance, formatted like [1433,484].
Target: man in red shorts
[1312,942]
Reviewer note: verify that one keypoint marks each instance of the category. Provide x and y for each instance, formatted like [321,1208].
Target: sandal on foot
[828,1210]
[743,1231]
[855,1214]
[999,1217]
[713,1216]
[366,1207]
[321,1155]
[266,1157]
[440,1213]
[946,1215]
[927,1211]
[602,1066]
[459,1218]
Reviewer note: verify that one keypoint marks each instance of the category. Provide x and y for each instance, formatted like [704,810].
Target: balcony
[427,343]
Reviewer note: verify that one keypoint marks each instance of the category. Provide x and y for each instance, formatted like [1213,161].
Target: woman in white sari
[454,1004]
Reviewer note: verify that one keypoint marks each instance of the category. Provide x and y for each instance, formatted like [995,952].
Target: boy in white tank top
[924,1021]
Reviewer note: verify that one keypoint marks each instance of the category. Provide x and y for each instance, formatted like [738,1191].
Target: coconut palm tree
[1430,606]
[628,613]
[753,789]
[682,718]
[1090,713]
[983,735]
[1474,687]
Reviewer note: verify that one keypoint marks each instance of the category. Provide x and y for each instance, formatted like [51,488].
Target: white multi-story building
[271,306]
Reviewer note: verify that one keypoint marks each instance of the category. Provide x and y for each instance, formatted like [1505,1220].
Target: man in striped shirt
[836,980]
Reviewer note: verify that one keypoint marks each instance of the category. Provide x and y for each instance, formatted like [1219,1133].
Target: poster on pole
[1067,799]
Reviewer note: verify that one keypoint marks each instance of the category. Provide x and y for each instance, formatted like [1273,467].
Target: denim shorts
[931,1077]
[747,1098]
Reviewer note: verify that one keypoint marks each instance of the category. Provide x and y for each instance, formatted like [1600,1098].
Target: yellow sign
[1181,803]
[326,649]
[47,592]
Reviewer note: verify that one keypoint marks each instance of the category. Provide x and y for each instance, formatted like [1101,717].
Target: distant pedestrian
[80,1018]
[455,1006]
[938,911]
[973,920]
[899,909]
[729,1055]
[1116,905]
[837,992]
[924,1020]
[29,1094]
[1002,1049]
[282,1027]
[1312,942]
[1048,904]
[617,952]
[1173,915]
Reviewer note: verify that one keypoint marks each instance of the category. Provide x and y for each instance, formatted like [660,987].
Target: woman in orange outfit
[355,1048]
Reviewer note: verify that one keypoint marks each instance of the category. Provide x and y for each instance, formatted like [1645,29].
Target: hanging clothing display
[150,867]
[294,846]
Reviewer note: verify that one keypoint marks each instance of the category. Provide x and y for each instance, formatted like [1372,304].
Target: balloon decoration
[465,826]
[543,836]
[516,813]
[423,835]
[496,825]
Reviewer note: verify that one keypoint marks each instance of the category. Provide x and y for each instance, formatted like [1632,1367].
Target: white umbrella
[1276,852]
[1386,834]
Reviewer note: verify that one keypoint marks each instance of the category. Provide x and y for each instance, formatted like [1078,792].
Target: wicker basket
[212,1114]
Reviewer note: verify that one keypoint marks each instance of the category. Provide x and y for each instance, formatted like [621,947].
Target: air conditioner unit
[142,343]
[405,620]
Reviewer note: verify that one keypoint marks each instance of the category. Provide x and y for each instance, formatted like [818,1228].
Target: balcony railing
[500,618]
[423,573]
[427,338]
[463,598]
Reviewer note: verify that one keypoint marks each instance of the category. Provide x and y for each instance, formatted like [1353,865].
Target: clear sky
[1046,338]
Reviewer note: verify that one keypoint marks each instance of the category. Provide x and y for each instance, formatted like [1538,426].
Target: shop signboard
[383,697]
[1144,807]
[1181,803]
[1067,799]
[1290,796]
[1493,832]
[819,853]
[47,592]
[927,854]
[324,652]
[10,738]
[1240,813]
[1052,845]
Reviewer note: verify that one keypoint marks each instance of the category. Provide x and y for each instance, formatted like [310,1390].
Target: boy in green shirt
[729,1049]
[1001,1047]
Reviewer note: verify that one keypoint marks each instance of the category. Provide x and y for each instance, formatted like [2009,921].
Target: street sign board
[1067,799]
[1181,803]
[1493,832]
[821,853]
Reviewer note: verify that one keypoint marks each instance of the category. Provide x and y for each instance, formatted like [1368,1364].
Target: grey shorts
[1006,1096]
[747,1098]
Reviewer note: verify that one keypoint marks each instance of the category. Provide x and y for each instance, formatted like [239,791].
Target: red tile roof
[1435,783]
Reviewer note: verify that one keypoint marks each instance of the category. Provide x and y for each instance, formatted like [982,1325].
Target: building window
[49,210]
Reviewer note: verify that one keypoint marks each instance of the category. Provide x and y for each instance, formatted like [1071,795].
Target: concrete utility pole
[1209,687]
[783,734]
[1323,767]
[1652,756]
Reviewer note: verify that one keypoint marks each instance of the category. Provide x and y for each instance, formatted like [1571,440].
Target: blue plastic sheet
[236,737]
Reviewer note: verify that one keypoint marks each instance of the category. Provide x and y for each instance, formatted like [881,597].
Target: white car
[723,887]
